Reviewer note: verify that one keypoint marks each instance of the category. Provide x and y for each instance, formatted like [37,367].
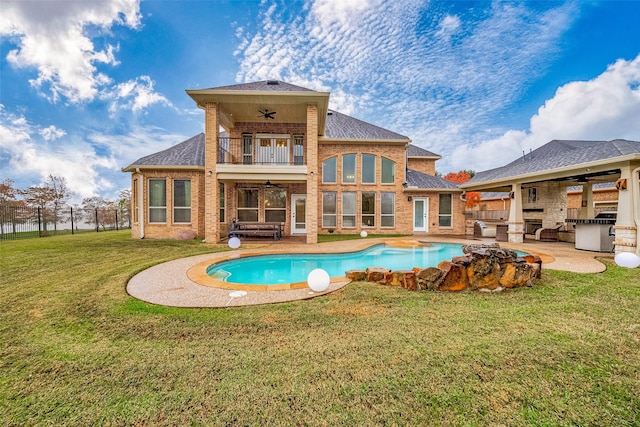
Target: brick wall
[169,229]
[427,166]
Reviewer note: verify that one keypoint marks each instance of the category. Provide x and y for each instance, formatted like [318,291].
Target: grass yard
[77,350]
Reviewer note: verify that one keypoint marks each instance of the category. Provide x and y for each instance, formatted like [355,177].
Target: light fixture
[409,198]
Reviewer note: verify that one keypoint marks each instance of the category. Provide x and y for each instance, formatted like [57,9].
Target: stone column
[586,209]
[626,228]
[516,223]
[211,187]
[313,170]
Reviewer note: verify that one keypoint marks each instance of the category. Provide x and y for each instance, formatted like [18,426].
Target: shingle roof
[265,85]
[186,153]
[560,154]
[415,151]
[424,181]
[341,126]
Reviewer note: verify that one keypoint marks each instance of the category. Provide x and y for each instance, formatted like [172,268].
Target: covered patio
[537,185]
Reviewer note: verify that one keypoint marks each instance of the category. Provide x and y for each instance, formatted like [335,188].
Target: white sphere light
[234,243]
[318,280]
[627,259]
[363,234]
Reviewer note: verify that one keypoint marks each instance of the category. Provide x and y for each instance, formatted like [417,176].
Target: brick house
[285,157]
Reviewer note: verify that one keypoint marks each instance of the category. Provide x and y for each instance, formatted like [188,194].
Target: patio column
[626,228]
[312,174]
[516,223]
[211,187]
[586,208]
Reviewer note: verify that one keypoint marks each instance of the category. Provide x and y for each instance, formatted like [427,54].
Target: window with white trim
[247,204]
[445,210]
[387,209]
[182,200]
[348,168]
[368,172]
[157,200]
[388,171]
[329,171]
[275,205]
[329,209]
[368,208]
[349,209]
[222,202]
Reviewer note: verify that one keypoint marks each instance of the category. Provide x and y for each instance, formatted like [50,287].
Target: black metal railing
[270,150]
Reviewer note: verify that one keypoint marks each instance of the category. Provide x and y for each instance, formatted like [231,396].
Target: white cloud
[408,66]
[448,26]
[604,108]
[52,133]
[53,37]
[135,95]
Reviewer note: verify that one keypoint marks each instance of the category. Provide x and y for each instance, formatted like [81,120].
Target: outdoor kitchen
[595,234]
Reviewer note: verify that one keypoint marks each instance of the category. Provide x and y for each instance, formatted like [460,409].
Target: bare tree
[59,194]
[10,212]
[124,206]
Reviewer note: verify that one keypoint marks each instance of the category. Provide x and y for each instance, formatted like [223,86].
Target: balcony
[265,150]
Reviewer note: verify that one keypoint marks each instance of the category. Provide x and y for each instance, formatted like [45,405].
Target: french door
[420,214]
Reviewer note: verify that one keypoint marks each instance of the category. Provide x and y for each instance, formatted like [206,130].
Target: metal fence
[21,222]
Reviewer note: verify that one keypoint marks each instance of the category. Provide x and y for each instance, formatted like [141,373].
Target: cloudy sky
[88,87]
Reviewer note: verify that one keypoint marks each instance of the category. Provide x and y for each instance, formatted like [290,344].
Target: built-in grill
[595,234]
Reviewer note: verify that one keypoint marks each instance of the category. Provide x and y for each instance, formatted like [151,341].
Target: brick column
[211,187]
[313,170]
[516,223]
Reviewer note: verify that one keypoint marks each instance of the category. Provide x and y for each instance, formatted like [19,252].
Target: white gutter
[141,202]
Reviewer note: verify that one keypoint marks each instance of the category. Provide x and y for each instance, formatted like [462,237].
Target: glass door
[298,214]
[420,214]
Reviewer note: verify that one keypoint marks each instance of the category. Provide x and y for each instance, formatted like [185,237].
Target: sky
[88,87]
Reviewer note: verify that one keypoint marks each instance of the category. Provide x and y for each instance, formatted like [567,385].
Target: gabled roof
[342,127]
[422,181]
[263,86]
[560,155]
[187,154]
[415,151]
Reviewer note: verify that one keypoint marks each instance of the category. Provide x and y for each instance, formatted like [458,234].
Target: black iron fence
[21,222]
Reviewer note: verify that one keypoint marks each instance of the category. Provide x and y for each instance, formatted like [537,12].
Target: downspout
[141,202]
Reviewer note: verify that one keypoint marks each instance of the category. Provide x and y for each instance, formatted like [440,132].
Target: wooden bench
[257,229]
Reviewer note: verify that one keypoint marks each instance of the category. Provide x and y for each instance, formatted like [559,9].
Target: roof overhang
[607,169]
[242,106]
[133,168]
[325,140]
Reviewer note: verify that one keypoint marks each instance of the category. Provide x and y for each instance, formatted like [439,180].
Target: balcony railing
[269,150]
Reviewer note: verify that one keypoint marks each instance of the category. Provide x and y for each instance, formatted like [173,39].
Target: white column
[626,228]
[516,223]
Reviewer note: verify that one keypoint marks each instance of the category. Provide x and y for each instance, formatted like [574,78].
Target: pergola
[559,164]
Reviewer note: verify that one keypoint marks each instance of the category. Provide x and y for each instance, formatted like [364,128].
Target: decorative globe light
[318,280]
[627,259]
[363,234]
[234,243]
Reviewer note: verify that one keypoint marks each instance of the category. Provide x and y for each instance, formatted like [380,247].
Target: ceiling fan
[268,184]
[267,114]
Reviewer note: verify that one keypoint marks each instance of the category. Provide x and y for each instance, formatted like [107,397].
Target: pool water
[293,268]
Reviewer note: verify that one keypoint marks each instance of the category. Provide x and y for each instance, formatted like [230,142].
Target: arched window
[368,172]
[388,171]
[329,171]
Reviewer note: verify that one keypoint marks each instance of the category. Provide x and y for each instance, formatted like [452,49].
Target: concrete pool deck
[184,283]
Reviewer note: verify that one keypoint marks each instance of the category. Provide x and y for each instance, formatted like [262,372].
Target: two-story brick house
[285,157]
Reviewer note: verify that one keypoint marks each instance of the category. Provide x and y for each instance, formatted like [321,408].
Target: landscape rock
[186,235]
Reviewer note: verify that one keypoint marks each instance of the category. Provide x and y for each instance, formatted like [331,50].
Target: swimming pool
[294,268]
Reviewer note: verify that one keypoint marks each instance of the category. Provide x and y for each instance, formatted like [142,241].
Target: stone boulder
[186,235]
[483,267]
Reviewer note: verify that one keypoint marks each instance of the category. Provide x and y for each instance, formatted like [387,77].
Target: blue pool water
[292,268]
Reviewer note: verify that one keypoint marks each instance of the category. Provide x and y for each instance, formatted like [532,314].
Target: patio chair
[548,234]
[480,229]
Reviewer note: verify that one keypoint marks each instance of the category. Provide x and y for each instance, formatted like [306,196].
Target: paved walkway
[168,283]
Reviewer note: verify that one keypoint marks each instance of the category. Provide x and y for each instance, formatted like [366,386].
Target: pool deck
[184,283]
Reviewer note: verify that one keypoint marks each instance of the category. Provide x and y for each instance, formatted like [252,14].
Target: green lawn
[77,350]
